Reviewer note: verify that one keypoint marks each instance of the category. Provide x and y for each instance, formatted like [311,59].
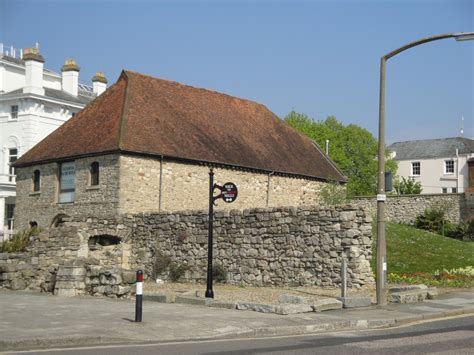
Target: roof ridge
[193,87]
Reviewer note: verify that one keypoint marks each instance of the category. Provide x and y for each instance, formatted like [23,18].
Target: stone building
[34,101]
[146,145]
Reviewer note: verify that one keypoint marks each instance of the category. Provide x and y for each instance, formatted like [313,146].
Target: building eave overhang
[182,160]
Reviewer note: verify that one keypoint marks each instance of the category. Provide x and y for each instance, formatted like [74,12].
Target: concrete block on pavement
[286,298]
[289,308]
[264,308]
[326,304]
[354,302]
[408,296]
[156,297]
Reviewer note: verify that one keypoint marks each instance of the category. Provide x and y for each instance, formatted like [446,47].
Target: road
[449,336]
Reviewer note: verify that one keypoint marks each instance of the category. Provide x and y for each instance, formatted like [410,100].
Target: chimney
[34,63]
[70,77]
[99,83]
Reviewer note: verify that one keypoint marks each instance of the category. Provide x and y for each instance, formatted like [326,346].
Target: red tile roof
[142,114]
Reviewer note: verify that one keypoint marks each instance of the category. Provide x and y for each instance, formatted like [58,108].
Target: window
[415,168]
[454,190]
[14,112]
[36,181]
[10,213]
[449,166]
[445,190]
[67,174]
[12,157]
[94,173]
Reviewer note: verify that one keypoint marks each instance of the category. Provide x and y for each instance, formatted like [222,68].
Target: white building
[34,101]
[440,165]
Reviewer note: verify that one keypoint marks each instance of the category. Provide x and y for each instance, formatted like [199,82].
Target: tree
[352,148]
[407,187]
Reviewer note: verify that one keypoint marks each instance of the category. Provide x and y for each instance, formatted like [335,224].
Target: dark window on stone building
[36,180]
[95,174]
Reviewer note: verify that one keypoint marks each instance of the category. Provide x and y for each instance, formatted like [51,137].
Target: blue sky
[316,57]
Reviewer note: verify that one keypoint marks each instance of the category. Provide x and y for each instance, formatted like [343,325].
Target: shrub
[219,273]
[461,231]
[333,193]
[161,265]
[19,241]
[176,272]
[433,220]
[407,187]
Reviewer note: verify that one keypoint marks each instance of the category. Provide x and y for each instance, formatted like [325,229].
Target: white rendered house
[34,101]
[441,165]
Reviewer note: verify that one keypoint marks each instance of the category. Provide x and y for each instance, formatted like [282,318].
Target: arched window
[94,174]
[36,180]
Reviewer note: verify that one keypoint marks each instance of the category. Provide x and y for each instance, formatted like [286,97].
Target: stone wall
[42,206]
[64,261]
[268,246]
[186,186]
[131,185]
[405,208]
[263,246]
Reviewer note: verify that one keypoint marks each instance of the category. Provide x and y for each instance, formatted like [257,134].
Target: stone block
[128,277]
[155,297]
[192,300]
[257,307]
[293,299]
[408,288]
[222,304]
[326,304]
[289,308]
[408,296]
[355,302]
[432,293]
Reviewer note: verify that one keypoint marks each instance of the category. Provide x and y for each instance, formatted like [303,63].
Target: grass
[19,241]
[418,256]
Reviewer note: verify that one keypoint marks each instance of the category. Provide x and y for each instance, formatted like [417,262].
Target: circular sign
[229,192]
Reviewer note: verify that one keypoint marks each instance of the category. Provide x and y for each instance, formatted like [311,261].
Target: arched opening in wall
[59,220]
[103,240]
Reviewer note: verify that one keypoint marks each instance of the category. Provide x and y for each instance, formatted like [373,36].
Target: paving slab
[37,320]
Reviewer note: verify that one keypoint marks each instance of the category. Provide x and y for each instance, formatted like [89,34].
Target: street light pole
[381,274]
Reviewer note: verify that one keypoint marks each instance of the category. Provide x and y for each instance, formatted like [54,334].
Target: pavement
[39,320]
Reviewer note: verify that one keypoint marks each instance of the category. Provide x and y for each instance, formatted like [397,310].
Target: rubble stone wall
[405,208]
[262,246]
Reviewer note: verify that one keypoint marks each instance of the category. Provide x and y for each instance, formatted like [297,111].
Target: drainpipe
[160,200]
[268,187]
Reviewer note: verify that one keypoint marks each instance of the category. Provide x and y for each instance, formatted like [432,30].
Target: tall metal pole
[209,291]
[381,241]
[381,244]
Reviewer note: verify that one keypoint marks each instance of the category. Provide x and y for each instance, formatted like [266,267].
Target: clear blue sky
[316,57]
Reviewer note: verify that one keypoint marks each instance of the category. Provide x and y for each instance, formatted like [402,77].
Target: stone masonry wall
[131,185]
[263,246]
[64,261]
[43,206]
[405,208]
[271,246]
[186,186]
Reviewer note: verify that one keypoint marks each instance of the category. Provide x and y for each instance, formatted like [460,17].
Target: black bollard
[139,296]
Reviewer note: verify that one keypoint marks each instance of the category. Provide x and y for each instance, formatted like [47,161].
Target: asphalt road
[449,336]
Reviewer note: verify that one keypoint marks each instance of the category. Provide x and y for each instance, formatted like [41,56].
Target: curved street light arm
[458,36]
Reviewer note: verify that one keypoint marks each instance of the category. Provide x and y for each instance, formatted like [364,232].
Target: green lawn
[413,250]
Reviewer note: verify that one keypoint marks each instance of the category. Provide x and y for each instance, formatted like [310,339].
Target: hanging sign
[228,193]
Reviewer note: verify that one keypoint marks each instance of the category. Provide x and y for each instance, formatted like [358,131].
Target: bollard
[139,296]
[344,277]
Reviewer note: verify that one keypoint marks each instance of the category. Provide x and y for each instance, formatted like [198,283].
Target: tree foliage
[352,148]
[408,187]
